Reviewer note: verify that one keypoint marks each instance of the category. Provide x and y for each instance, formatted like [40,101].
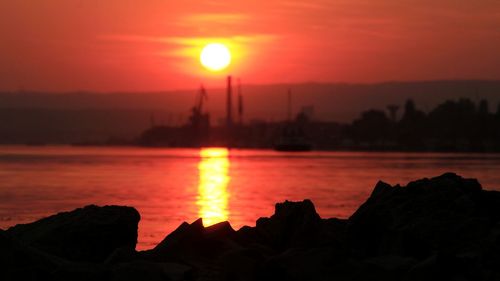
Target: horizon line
[83,91]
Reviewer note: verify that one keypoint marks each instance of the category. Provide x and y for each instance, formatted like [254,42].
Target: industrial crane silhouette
[198,119]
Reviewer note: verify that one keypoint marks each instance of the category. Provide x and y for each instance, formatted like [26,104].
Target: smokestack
[240,103]
[289,109]
[229,104]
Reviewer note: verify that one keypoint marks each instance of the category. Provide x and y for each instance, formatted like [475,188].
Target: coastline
[441,228]
[266,148]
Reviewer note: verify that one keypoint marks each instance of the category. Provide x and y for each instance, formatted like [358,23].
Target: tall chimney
[229,104]
[289,108]
[240,104]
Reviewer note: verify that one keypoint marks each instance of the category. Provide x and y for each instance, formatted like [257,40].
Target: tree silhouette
[452,125]
[483,107]
[412,126]
[373,126]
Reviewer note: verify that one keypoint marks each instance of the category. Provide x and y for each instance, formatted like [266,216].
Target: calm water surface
[169,186]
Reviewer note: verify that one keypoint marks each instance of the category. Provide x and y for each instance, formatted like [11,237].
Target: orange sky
[116,45]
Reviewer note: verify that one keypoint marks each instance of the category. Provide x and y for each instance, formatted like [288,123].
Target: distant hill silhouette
[72,117]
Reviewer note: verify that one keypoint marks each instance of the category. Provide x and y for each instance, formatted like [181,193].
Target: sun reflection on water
[212,188]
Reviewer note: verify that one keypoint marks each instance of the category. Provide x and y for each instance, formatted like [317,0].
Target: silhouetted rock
[179,240]
[21,262]
[305,246]
[303,263]
[120,255]
[193,242]
[241,263]
[151,271]
[444,228]
[293,224]
[447,222]
[87,234]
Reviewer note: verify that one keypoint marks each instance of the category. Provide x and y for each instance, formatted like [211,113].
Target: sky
[125,45]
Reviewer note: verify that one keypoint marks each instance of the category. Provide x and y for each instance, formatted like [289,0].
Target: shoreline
[255,148]
[444,226]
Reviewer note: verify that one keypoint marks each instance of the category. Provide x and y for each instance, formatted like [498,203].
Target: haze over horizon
[73,117]
[69,45]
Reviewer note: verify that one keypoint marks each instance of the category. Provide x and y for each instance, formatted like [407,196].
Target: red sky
[115,45]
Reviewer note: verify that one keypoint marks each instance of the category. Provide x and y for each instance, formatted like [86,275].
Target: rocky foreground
[444,228]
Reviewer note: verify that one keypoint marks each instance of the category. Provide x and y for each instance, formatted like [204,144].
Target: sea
[171,186]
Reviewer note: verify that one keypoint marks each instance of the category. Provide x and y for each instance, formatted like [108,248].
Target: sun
[215,57]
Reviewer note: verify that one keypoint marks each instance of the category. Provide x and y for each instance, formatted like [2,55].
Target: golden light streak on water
[213,196]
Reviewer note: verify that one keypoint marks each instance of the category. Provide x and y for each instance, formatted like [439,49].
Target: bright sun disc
[215,56]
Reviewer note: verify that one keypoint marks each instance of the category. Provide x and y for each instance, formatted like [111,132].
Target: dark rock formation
[21,262]
[446,213]
[444,228]
[87,234]
[194,242]
[293,224]
[448,224]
